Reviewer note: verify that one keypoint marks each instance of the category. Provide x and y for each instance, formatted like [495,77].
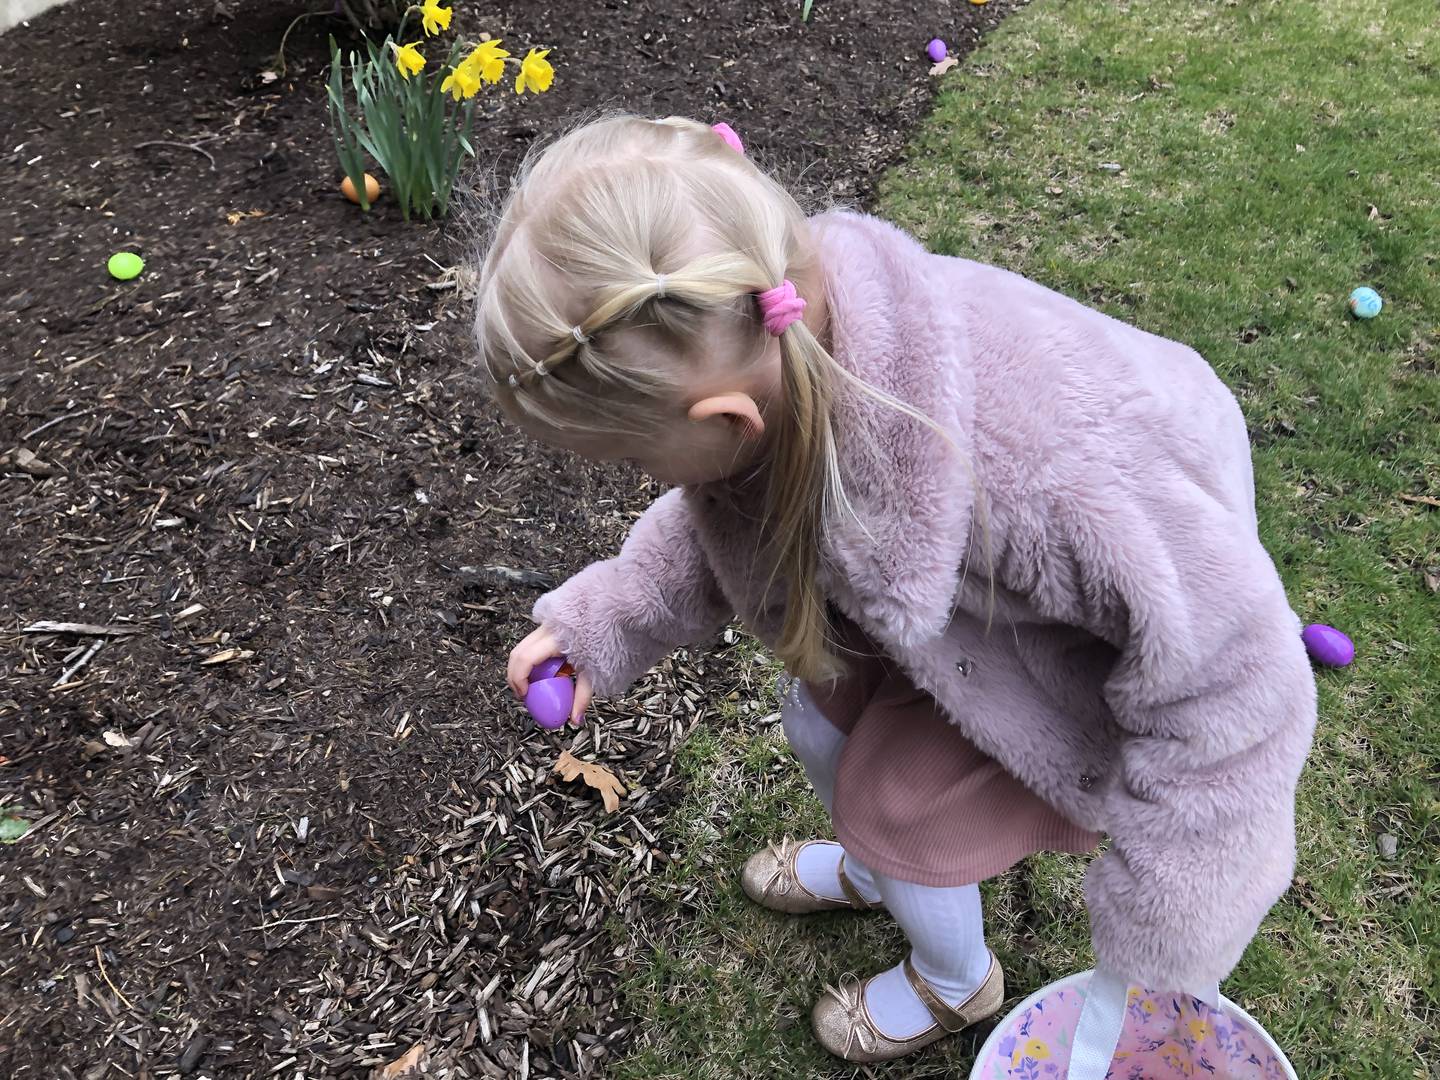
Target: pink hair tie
[780,306]
[726,132]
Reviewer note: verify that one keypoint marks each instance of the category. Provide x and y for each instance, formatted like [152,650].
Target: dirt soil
[286,821]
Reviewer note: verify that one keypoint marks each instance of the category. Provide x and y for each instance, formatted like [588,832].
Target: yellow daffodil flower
[434,17]
[462,82]
[408,59]
[487,61]
[535,73]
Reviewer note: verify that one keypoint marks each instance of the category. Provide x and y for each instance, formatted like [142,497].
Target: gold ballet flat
[769,878]
[843,1025]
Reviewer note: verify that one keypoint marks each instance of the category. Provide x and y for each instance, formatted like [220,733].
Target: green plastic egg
[125,265]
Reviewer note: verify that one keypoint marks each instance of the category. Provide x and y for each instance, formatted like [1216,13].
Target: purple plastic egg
[547,669]
[550,702]
[550,695]
[936,50]
[1327,645]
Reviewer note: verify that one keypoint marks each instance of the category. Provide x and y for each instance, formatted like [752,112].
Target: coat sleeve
[616,619]
[1215,705]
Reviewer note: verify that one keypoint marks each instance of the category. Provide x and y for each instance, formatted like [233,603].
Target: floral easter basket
[1088,1027]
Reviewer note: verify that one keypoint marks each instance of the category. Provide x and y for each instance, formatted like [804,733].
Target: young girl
[1005,546]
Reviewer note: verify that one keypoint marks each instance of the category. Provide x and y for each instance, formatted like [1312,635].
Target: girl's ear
[737,409]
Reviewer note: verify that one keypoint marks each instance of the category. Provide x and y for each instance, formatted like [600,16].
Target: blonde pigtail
[800,502]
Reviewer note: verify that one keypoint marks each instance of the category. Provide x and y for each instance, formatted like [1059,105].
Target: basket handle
[1101,1020]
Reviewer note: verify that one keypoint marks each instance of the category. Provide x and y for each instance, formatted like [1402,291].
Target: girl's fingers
[583,693]
[537,646]
[510,676]
[516,673]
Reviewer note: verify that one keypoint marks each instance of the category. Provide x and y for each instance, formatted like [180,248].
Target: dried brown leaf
[597,776]
[943,66]
[407,1064]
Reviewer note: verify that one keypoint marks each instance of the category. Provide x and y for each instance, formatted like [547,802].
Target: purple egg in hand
[551,695]
[936,50]
[1327,645]
[548,669]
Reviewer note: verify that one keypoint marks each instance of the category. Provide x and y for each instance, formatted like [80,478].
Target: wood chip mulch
[264,553]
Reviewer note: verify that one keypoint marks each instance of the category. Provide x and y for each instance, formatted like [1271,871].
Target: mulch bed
[286,819]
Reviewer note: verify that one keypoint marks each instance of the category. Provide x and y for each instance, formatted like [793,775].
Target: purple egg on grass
[1327,645]
[936,50]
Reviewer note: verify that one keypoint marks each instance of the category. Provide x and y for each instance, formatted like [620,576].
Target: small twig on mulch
[58,420]
[47,627]
[100,959]
[78,664]
[531,579]
[179,146]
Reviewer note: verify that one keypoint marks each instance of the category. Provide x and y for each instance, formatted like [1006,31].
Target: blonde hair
[612,205]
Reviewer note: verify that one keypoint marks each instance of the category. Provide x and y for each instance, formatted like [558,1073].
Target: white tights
[944,925]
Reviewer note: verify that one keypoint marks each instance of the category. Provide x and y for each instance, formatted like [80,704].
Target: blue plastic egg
[1365,303]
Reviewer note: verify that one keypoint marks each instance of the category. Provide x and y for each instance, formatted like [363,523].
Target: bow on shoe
[859,1030]
[782,881]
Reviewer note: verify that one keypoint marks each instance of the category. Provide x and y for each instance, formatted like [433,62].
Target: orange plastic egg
[372,189]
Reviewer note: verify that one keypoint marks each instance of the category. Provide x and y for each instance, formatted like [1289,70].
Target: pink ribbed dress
[915,799]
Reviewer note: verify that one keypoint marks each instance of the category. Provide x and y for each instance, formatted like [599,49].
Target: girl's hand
[536,648]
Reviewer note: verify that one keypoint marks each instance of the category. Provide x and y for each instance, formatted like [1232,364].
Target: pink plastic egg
[1327,645]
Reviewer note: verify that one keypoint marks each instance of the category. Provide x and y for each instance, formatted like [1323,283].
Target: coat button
[965,667]
[1086,781]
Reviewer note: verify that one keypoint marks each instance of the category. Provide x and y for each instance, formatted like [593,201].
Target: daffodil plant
[418,122]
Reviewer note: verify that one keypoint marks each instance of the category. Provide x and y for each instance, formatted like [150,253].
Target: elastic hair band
[660,286]
[726,132]
[580,339]
[780,306]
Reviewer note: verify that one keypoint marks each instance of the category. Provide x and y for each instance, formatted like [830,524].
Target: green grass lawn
[1223,174]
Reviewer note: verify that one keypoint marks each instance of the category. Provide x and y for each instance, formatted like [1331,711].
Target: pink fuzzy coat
[1142,670]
